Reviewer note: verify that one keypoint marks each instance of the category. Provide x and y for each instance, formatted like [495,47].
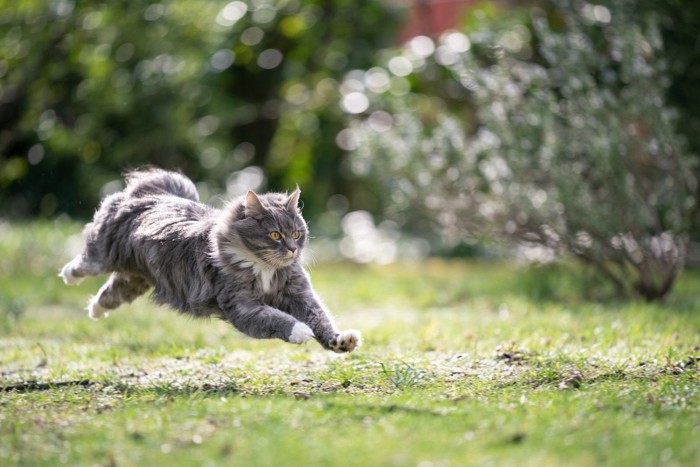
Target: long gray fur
[204,261]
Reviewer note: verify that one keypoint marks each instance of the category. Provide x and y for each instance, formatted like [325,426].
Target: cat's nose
[292,248]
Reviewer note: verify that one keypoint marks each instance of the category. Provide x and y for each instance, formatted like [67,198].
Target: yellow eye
[296,235]
[275,235]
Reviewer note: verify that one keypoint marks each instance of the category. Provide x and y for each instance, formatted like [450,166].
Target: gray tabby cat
[240,264]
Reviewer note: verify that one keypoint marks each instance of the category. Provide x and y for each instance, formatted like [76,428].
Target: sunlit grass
[463,363]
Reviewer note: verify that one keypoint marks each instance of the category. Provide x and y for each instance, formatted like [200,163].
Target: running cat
[240,263]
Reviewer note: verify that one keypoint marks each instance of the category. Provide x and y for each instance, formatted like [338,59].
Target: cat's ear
[253,206]
[293,200]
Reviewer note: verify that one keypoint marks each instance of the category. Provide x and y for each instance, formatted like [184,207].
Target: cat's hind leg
[79,268]
[119,288]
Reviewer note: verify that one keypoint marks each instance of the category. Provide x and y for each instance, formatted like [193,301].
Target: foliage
[571,146]
[459,367]
[90,89]
[679,22]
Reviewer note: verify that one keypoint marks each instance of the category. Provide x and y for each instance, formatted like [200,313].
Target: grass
[464,363]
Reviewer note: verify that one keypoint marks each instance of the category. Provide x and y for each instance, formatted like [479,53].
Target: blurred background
[533,130]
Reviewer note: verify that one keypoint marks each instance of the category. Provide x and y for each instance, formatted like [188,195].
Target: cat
[240,263]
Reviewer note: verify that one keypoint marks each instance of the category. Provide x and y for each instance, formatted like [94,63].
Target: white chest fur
[263,273]
[265,277]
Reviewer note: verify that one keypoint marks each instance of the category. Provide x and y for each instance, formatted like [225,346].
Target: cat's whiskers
[273,258]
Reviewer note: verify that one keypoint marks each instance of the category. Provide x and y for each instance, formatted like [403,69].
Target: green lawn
[463,363]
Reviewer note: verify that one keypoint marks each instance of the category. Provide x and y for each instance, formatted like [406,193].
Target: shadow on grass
[511,366]
[224,388]
[31,386]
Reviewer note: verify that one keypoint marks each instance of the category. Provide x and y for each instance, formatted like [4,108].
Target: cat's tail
[154,181]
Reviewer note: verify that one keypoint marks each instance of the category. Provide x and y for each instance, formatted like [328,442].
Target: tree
[574,147]
[91,89]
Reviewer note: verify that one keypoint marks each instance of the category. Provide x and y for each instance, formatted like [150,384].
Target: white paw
[301,333]
[347,341]
[67,275]
[95,311]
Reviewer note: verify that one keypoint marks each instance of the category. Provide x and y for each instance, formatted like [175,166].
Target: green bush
[566,142]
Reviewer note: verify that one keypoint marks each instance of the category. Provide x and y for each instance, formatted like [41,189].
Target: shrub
[568,144]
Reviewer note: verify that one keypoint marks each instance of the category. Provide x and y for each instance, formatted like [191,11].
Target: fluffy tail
[146,182]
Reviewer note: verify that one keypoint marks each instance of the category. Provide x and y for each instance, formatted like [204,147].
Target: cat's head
[270,229]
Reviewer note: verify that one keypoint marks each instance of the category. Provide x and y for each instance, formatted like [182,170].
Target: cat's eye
[275,235]
[296,235]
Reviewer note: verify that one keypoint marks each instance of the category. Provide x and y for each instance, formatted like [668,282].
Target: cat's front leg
[326,333]
[265,322]
[307,308]
[300,334]
[345,341]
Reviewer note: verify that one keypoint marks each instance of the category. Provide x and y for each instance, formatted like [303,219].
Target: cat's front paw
[95,310]
[301,334]
[346,341]
[67,275]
